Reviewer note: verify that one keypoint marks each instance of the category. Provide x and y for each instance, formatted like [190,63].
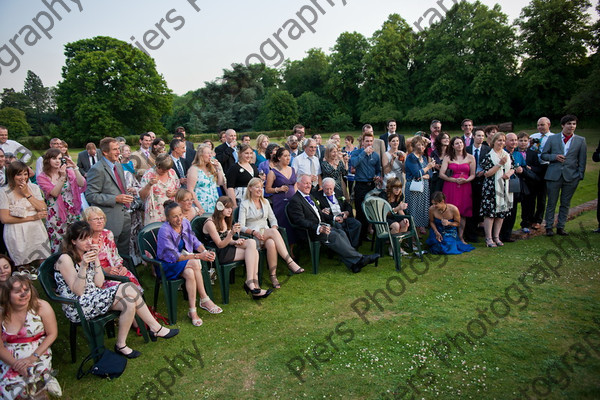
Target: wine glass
[326,225]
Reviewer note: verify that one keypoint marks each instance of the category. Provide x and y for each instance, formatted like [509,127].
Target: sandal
[490,243]
[195,322]
[289,260]
[214,310]
[498,242]
[275,282]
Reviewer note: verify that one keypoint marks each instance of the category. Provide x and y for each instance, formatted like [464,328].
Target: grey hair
[328,179]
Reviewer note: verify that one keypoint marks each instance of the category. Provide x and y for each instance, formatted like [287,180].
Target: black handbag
[514,185]
[110,365]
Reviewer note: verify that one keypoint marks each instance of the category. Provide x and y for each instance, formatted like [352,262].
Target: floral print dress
[154,210]
[206,191]
[22,345]
[109,257]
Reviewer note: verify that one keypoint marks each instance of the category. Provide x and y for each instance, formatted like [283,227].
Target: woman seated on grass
[176,244]
[28,330]
[79,276]
[255,212]
[219,231]
[444,219]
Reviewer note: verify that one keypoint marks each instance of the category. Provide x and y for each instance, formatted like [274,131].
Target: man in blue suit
[566,153]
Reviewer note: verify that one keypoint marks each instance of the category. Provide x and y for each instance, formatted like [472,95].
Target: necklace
[442,213]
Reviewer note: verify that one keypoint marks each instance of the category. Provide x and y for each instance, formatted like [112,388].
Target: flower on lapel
[342,199]
[316,201]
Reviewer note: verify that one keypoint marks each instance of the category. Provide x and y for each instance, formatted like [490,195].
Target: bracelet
[36,355]
[28,197]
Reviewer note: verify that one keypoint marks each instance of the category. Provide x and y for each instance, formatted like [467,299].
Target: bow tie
[310,201]
[331,199]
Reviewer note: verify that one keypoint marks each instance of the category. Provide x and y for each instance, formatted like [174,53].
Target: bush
[442,111]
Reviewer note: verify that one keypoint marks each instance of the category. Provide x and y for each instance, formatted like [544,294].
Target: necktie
[93,160]
[310,201]
[566,139]
[180,169]
[476,158]
[118,179]
[313,171]
[331,199]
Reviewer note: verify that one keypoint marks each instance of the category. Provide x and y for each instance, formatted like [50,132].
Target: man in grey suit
[566,153]
[107,189]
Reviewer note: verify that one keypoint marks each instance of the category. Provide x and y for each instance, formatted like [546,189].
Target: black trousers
[360,192]
[472,222]
[540,198]
[509,223]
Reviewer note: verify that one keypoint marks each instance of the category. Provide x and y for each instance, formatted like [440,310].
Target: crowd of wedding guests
[91,207]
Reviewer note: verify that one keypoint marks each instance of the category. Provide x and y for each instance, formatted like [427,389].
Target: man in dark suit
[190,152]
[391,127]
[596,158]
[467,127]
[530,182]
[303,211]
[180,165]
[87,158]
[331,201]
[320,148]
[566,153]
[226,153]
[107,189]
[479,150]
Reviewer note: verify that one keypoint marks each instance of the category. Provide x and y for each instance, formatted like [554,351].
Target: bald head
[511,141]
[230,136]
[543,125]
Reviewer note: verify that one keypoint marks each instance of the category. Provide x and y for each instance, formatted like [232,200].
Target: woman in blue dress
[444,220]
[176,244]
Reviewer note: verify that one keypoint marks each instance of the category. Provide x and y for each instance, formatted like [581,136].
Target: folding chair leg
[171,294]
[206,279]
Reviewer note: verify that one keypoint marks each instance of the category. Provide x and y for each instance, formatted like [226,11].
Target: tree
[110,88]
[468,59]
[314,111]
[386,67]
[279,111]
[38,94]
[553,37]
[308,74]
[15,121]
[347,72]
[13,99]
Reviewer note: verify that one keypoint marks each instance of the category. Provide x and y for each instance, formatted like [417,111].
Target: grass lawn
[492,323]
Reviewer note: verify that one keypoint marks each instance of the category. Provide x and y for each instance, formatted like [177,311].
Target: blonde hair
[254,182]
[198,160]
[87,213]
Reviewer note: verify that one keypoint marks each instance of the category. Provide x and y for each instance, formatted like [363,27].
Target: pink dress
[459,194]
[109,257]
[154,210]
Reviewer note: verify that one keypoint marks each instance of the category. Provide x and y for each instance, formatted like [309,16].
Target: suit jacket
[380,148]
[141,163]
[465,139]
[224,154]
[190,154]
[401,147]
[321,152]
[573,168]
[185,166]
[303,215]
[102,191]
[485,149]
[344,205]
[83,161]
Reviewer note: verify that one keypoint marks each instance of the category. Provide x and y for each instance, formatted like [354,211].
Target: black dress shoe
[355,268]
[549,232]
[130,355]
[562,232]
[371,258]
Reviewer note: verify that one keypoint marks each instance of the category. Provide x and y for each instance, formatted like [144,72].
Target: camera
[63,161]
[536,141]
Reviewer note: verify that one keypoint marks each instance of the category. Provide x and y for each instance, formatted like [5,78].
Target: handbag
[514,185]
[417,185]
[110,365]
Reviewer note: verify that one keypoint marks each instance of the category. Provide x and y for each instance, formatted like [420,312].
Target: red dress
[459,194]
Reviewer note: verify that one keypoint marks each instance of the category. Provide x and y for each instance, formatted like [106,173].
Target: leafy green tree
[444,112]
[279,111]
[314,111]
[37,93]
[553,37]
[15,121]
[18,100]
[386,67]
[379,114]
[347,72]
[468,59]
[110,88]
[308,74]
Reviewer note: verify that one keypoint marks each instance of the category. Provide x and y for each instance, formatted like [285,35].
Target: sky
[192,41]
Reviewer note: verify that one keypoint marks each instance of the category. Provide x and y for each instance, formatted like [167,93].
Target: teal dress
[206,191]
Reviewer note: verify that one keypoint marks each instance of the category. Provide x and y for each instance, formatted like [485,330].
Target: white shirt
[302,165]
[543,140]
[11,146]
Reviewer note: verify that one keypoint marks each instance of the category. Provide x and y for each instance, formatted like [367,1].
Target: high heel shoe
[154,335]
[197,321]
[289,260]
[275,282]
[490,243]
[498,242]
[255,292]
[248,290]
[132,354]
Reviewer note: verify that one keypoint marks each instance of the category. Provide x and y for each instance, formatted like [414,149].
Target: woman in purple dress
[281,184]
[457,185]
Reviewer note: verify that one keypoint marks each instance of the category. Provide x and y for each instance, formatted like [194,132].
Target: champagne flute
[327,235]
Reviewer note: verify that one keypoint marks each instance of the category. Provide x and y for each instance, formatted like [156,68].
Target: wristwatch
[36,355]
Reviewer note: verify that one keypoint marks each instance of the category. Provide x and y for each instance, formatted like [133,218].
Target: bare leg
[497,228]
[487,227]
[271,249]
[247,252]
[394,228]
[461,229]
[274,234]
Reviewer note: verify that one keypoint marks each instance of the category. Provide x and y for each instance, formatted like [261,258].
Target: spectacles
[97,219]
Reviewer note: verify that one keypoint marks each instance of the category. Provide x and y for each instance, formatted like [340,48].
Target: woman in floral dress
[28,330]
[159,184]
[204,176]
[62,184]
